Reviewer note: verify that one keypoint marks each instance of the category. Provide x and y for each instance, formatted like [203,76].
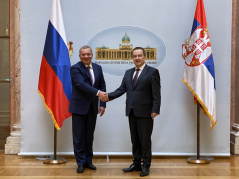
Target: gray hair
[85,47]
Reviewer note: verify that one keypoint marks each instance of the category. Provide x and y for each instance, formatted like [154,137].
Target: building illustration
[124,52]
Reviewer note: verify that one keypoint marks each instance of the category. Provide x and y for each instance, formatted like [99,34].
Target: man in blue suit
[88,85]
[142,87]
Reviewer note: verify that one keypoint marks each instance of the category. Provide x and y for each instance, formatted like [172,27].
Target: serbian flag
[54,79]
[199,73]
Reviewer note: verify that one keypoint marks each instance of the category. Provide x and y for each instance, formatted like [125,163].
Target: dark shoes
[132,168]
[137,167]
[90,166]
[80,169]
[145,171]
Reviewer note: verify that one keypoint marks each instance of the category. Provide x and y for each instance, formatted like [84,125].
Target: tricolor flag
[199,73]
[54,80]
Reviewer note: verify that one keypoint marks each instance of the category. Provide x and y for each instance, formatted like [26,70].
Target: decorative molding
[234,134]
[13,143]
[234,139]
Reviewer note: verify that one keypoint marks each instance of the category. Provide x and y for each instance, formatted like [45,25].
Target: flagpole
[198,130]
[198,159]
[54,159]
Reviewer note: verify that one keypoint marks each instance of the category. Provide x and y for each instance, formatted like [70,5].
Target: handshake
[103,96]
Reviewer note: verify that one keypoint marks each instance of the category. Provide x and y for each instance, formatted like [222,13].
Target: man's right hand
[103,96]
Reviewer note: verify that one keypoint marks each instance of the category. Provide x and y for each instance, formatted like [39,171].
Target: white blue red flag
[199,73]
[54,80]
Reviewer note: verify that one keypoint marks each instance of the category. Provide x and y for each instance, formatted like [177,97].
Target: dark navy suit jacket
[83,93]
[145,96]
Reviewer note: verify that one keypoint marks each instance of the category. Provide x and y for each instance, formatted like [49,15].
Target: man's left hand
[153,115]
[101,111]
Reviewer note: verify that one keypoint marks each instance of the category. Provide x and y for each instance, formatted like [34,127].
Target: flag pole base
[53,160]
[196,160]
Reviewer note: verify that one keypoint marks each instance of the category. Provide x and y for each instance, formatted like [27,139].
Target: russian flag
[199,73]
[54,79]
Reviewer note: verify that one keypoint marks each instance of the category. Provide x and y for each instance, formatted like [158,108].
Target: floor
[28,167]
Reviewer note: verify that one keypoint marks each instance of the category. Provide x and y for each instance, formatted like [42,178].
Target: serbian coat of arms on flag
[199,73]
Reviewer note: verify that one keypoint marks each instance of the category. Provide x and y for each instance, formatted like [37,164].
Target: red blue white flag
[54,80]
[199,73]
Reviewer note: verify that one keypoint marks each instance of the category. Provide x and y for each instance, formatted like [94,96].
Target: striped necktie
[91,79]
[136,76]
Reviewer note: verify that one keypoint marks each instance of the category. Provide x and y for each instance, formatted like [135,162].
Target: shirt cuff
[97,94]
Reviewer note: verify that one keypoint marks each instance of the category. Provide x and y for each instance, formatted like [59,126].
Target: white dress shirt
[140,70]
[93,76]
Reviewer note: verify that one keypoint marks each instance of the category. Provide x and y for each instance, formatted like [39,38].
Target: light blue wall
[171,20]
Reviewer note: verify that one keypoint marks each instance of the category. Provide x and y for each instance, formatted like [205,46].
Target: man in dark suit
[142,87]
[88,85]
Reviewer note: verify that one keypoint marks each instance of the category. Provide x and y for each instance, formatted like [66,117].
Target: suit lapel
[85,70]
[95,72]
[131,76]
[141,75]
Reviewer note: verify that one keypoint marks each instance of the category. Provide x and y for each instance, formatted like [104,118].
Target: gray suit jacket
[145,96]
